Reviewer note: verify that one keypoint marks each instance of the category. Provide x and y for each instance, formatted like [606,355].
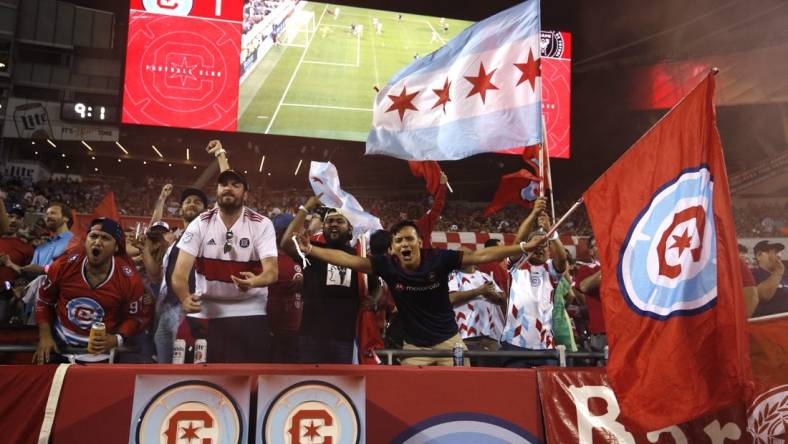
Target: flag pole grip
[559,222]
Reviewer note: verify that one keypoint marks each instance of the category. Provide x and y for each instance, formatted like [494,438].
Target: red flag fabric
[520,188]
[430,171]
[532,157]
[105,208]
[671,283]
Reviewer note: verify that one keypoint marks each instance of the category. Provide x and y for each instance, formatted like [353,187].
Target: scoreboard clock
[88,112]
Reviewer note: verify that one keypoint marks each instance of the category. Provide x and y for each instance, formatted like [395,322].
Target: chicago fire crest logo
[668,260]
[312,412]
[190,412]
[84,311]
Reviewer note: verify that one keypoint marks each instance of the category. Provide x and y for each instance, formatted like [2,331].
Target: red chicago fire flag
[520,188]
[671,283]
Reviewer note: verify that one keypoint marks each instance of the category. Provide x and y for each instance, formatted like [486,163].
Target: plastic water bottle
[457,353]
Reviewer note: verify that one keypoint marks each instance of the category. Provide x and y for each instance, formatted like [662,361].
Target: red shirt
[19,252]
[117,302]
[285,307]
[596,318]
[746,274]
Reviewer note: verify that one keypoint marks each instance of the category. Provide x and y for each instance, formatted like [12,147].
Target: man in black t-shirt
[418,281]
[331,293]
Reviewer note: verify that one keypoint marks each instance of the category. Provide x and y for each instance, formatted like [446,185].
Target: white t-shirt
[478,316]
[529,314]
[252,239]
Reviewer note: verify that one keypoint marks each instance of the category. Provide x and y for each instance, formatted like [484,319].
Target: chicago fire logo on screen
[181,70]
[668,260]
[190,412]
[312,412]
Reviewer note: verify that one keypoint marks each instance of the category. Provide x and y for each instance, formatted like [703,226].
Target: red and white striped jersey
[220,253]
[529,314]
[478,316]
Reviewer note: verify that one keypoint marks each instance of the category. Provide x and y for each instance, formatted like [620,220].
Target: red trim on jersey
[209,214]
[253,215]
[221,270]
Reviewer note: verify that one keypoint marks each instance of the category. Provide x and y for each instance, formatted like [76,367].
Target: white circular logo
[190,412]
[312,412]
[668,263]
[465,427]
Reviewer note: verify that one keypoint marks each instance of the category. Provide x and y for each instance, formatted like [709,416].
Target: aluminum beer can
[97,330]
[179,351]
[200,351]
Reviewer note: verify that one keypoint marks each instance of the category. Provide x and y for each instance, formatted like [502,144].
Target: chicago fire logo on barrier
[190,412]
[465,428]
[312,412]
[668,259]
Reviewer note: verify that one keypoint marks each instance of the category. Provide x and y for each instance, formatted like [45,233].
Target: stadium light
[157,151]
[300,161]
[87,146]
[187,154]
[63,155]
[121,147]
[262,161]
[51,143]
[144,162]
[119,160]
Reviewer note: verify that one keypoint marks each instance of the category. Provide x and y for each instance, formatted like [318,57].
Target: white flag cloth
[324,179]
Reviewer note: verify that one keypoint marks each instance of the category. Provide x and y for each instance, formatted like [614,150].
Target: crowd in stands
[140,198]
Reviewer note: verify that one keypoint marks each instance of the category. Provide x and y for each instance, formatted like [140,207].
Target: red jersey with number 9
[117,302]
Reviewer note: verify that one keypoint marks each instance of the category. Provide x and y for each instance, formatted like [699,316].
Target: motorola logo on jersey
[465,428]
[190,412]
[668,260]
[312,412]
[84,311]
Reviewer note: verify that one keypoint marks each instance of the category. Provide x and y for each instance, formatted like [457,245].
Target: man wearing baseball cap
[770,277]
[97,285]
[168,307]
[233,250]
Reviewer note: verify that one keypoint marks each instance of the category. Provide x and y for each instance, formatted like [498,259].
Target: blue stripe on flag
[509,26]
[461,138]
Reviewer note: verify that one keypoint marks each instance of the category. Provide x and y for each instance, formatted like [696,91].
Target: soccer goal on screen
[299,28]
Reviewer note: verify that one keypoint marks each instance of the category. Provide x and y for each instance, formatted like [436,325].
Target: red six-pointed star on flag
[531,69]
[443,96]
[481,83]
[402,102]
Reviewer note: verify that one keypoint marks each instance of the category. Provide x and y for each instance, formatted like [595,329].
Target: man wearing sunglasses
[233,251]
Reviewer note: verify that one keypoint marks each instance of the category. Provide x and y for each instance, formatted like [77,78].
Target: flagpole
[541,169]
[549,170]
[560,222]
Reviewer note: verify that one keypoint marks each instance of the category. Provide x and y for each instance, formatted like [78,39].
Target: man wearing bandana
[96,285]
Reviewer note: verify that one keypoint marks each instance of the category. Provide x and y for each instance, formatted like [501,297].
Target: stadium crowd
[297,288]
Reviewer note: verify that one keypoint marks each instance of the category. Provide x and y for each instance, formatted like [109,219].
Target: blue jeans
[169,318]
[524,362]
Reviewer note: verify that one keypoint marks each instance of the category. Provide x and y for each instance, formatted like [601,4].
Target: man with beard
[233,250]
[98,285]
[168,306]
[418,280]
[529,313]
[331,293]
[58,222]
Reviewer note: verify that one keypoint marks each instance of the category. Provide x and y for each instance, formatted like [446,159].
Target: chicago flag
[479,93]
[671,280]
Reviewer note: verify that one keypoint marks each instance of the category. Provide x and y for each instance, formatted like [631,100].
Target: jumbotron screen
[289,67]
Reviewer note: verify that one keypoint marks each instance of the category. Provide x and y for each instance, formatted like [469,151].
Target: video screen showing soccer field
[318,79]
[289,67]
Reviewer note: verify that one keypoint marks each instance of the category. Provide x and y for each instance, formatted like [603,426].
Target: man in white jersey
[529,313]
[477,301]
[233,251]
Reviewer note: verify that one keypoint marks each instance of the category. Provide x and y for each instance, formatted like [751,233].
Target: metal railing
[559,353]
[68,352]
